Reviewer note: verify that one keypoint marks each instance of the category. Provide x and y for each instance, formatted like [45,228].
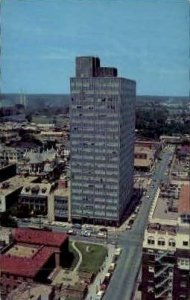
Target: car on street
[103,229]
[101,235]
[25,220]
[137,209]
[89,228]
[71,232]
[99,295]
[77,226]
[85,233]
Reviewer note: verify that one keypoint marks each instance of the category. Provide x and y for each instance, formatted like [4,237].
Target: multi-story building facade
[166,248]
[35,196]
[10,190]
[62,204]
[102,141]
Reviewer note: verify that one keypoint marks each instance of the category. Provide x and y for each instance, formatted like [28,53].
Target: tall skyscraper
[102,116]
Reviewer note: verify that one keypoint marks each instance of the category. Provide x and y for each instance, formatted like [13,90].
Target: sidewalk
[80,257]
[95,286]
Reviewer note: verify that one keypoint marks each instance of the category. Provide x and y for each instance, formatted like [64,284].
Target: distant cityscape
[94,192]
[61,100]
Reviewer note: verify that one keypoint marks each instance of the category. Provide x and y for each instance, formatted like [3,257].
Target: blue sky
[147,40]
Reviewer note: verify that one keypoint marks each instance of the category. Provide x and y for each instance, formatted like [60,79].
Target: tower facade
[102,118]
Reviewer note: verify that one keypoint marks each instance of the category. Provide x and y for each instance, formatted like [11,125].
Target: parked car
[99,295]
[89,228]
[77,226]
[101,235]
[25,220]
[71,232]
[128,227]
[85,233]
[103,229]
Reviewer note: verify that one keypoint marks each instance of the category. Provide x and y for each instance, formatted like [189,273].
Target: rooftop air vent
[44,190]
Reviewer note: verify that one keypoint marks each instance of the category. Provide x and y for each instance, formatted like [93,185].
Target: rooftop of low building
[39,237]
[31,291]
[40,189]
[30,251]
[156,227]
[172,202]
[14,183]
[184,199]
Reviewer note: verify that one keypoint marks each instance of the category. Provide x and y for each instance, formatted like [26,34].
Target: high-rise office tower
[102,116]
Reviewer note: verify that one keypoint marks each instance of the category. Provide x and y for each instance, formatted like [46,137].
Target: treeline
[152,122]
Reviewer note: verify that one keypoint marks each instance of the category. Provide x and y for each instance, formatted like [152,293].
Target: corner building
[102,117]
[166,246]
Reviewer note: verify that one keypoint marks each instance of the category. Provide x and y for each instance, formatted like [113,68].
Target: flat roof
[3,167]
[35,289]
[26,266]
[143,149]
[142,162]
[39,237]
[41,189]
[19,260]
[184,199]
[153,227]
[62,192]
[145,142]
[161,210]
[15,183]
[22,250]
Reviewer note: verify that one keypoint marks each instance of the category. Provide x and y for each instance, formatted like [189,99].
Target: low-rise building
[10,190]
[31,257]
[12,154]
[181,164]
[62,204]
[35,196]
[144,158]
[50,135]
[146,153]
[5,237]
[34,291]
[168,139]
[44,164]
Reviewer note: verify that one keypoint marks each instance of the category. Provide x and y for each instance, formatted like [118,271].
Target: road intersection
[124,277]
[123,281]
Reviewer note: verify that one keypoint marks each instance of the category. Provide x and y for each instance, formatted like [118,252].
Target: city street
[124,277]
[123,280]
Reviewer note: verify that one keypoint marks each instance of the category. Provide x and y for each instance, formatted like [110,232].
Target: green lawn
[93,257]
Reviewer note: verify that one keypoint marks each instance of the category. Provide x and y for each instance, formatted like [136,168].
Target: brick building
[31,257]
[166,248]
